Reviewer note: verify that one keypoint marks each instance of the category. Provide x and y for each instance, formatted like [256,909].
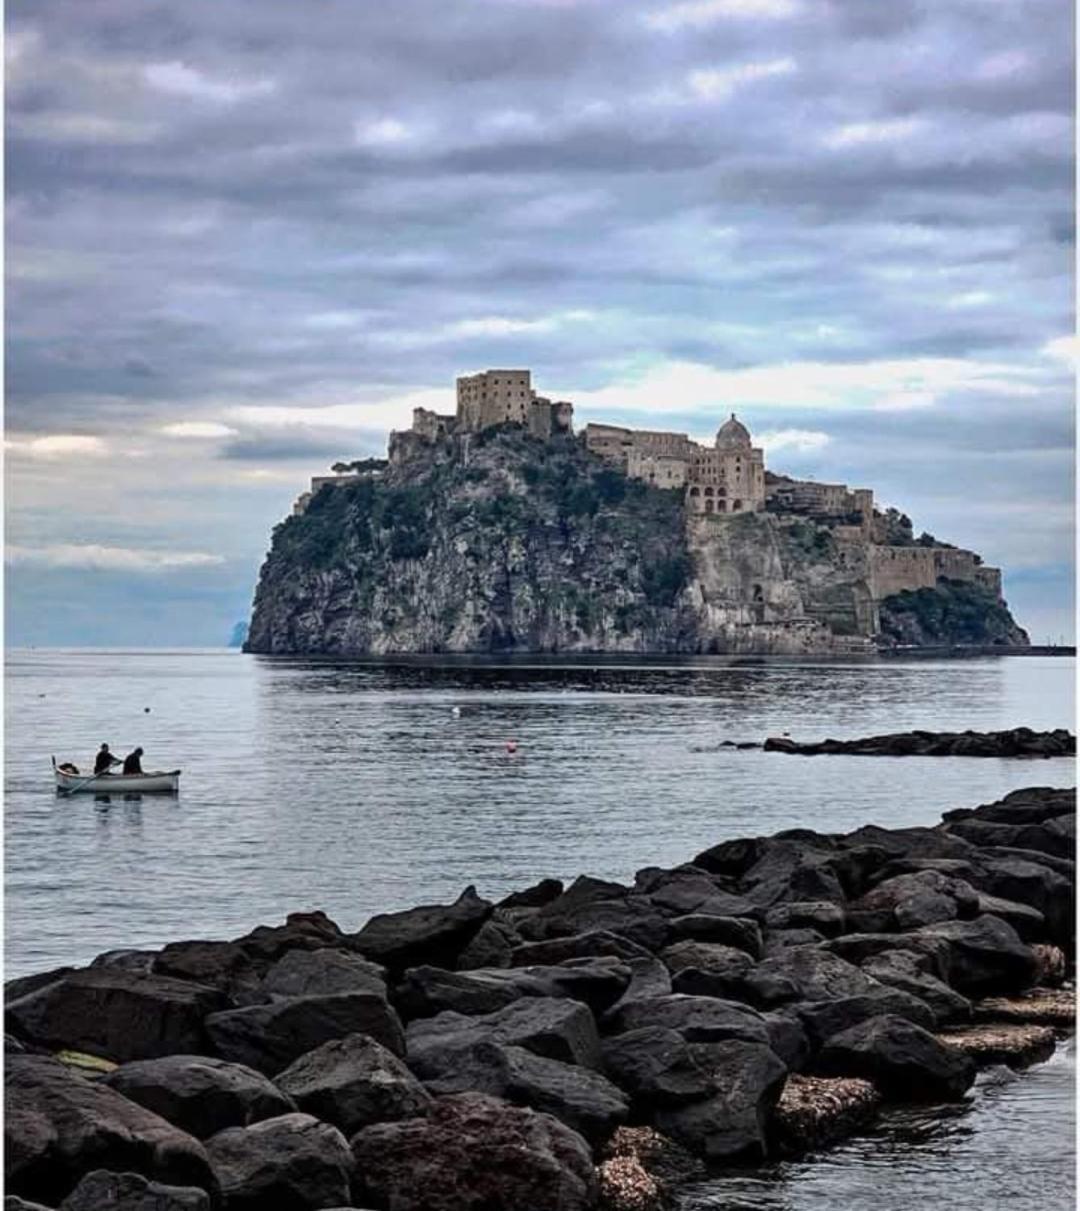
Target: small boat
[115,784]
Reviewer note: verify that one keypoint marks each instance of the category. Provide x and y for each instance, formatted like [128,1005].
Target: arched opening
[695,491]
[721,506]
[736,506]
[708,506]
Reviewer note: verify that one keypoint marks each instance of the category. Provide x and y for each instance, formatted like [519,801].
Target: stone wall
[896,569]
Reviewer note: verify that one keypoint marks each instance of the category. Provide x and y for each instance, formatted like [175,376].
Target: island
[499,529]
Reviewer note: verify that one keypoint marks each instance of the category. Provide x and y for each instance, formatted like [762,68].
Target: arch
[708,506]
[721,506]
[708,492]
[695,491]
[736,506]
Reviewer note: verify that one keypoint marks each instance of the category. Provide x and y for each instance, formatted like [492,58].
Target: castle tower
[730,478]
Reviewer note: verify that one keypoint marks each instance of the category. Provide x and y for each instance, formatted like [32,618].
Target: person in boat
[133,762]
[104,761]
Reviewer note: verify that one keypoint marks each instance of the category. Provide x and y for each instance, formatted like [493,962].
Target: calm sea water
[372,785]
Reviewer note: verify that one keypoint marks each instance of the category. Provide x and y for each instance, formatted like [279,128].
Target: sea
[372,785]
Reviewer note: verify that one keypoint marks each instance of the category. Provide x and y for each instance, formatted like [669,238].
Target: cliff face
[500,541]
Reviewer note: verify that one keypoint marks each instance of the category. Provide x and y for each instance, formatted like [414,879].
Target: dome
[732,434]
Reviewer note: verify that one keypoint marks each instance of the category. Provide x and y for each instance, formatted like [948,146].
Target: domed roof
[732,433]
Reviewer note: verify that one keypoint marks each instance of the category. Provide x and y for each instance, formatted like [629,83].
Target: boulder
[425,991]
[117,1014]
[19,987]
[1029,923]
[910,972]
[353,1082]
[534,897]
[712,957]
[290,1163]
[982,956]
[12,1202]
[919,898]
[199,1094]
[270,1037]
[632,917]
[58,1126]
[322,972]
[822,1019]
[805,973]
[731,858]
[903,1060]
[132,1192]
[858,947]
[1035,884]
[649,978]
[656,1067]
[781,939]
[739,932]
[556,1028]
[575,946]
[697,1019]
[1056,837]
[824,916]
[788,1037]
[139,961]
[816,1111]
[301,930]
[491,946]
[222,965]
[1029,805]
[477,1153]
[731,1124]
[911,842]
[434,934]
[582,1099]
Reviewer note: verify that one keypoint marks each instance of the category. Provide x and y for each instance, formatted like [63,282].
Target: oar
[70,790]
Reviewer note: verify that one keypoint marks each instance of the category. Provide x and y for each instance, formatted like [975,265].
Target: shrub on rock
[291,1163]
[352,1082]
[903,1060]
[200,1094]
[477,1153]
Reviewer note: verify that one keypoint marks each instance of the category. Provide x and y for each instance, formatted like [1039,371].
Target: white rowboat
[118,784]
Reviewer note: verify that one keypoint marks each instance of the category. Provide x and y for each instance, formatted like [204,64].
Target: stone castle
[718,481]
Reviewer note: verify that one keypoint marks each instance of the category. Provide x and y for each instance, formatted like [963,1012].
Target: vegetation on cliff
[955,612]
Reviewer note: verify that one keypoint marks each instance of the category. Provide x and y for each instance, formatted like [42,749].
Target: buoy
[146,710]
[455,710]
[511,746]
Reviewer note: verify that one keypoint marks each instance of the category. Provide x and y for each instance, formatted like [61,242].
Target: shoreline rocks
[605,1038]
[1016,742]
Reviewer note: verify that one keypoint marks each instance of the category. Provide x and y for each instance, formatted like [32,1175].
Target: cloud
[717,83]
[198,429]
[798,441]
[93,557]
[699,13]
[57,447]
[863,134]
[179,79]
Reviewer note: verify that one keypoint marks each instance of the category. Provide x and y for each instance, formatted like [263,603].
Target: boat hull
[119,784]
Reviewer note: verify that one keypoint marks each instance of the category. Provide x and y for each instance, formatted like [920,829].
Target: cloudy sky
[246,237]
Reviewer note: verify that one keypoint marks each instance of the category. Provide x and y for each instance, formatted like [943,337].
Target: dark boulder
[58,1126]
[270,1037]
[353,1082]
[265,944]
[903,1060]
[1029,923]
[781,939]
[322,972]
[656,1067]
[805,973]
[1056,837]
[491,946]
[557,1028]
[731,858]
[584,1100]
[924,897]
[822,1019]
[649,978]
[534,897]
[575,946]
[291,1163]
[856,948]
[731,1124]
[12,1202]
[715,957]
[632,917]
[116,1014]
[222,965]
[787,1037]
[697,1019]
[982,957]
[824,916]
[132,1192]
[477,1153]
[19,987]
[199,1094]
[1030,805]
[911,972]
[139,961]
[910,842]
[434,934]
[1036,884]
[740,932]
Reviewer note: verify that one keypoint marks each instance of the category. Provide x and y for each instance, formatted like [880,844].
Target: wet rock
[477,1153]
[697,1019]
[909,972]
[117,1014]
[981,956]
[598,982]
[903,1060]
[1015,1044]
[270,1037]
[1017,742]
[199,1094]
[290,1163]
[822,1019]
[132,1192]
[575,946]
[731,1124]
[582,1099]
[640,1170]
[1030,805]
[433,935]
[556,1028]
[824,916]
[492,946]
[322,972]
[1053,965]
[739,932]
[58,1126]
[655,1066]
[816,1111]
[1050,1007]
[353,1082]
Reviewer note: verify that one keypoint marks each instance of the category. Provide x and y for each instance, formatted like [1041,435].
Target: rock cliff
[500,541]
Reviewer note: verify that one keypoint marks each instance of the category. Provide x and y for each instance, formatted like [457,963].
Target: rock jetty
[569,1048]
[1017,742]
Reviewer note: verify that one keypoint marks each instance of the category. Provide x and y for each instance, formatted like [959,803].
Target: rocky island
[571,1048]
[498,529]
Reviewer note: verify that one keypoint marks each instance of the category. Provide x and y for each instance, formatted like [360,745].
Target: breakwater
[761,993]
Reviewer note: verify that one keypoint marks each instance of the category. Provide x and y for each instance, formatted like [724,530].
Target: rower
[104,760]
[132,764]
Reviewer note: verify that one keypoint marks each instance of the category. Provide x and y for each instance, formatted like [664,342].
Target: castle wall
[432,425]
[657,470]
[896,569]
[493,397]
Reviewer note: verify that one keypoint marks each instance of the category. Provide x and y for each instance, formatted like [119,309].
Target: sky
[246,237]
